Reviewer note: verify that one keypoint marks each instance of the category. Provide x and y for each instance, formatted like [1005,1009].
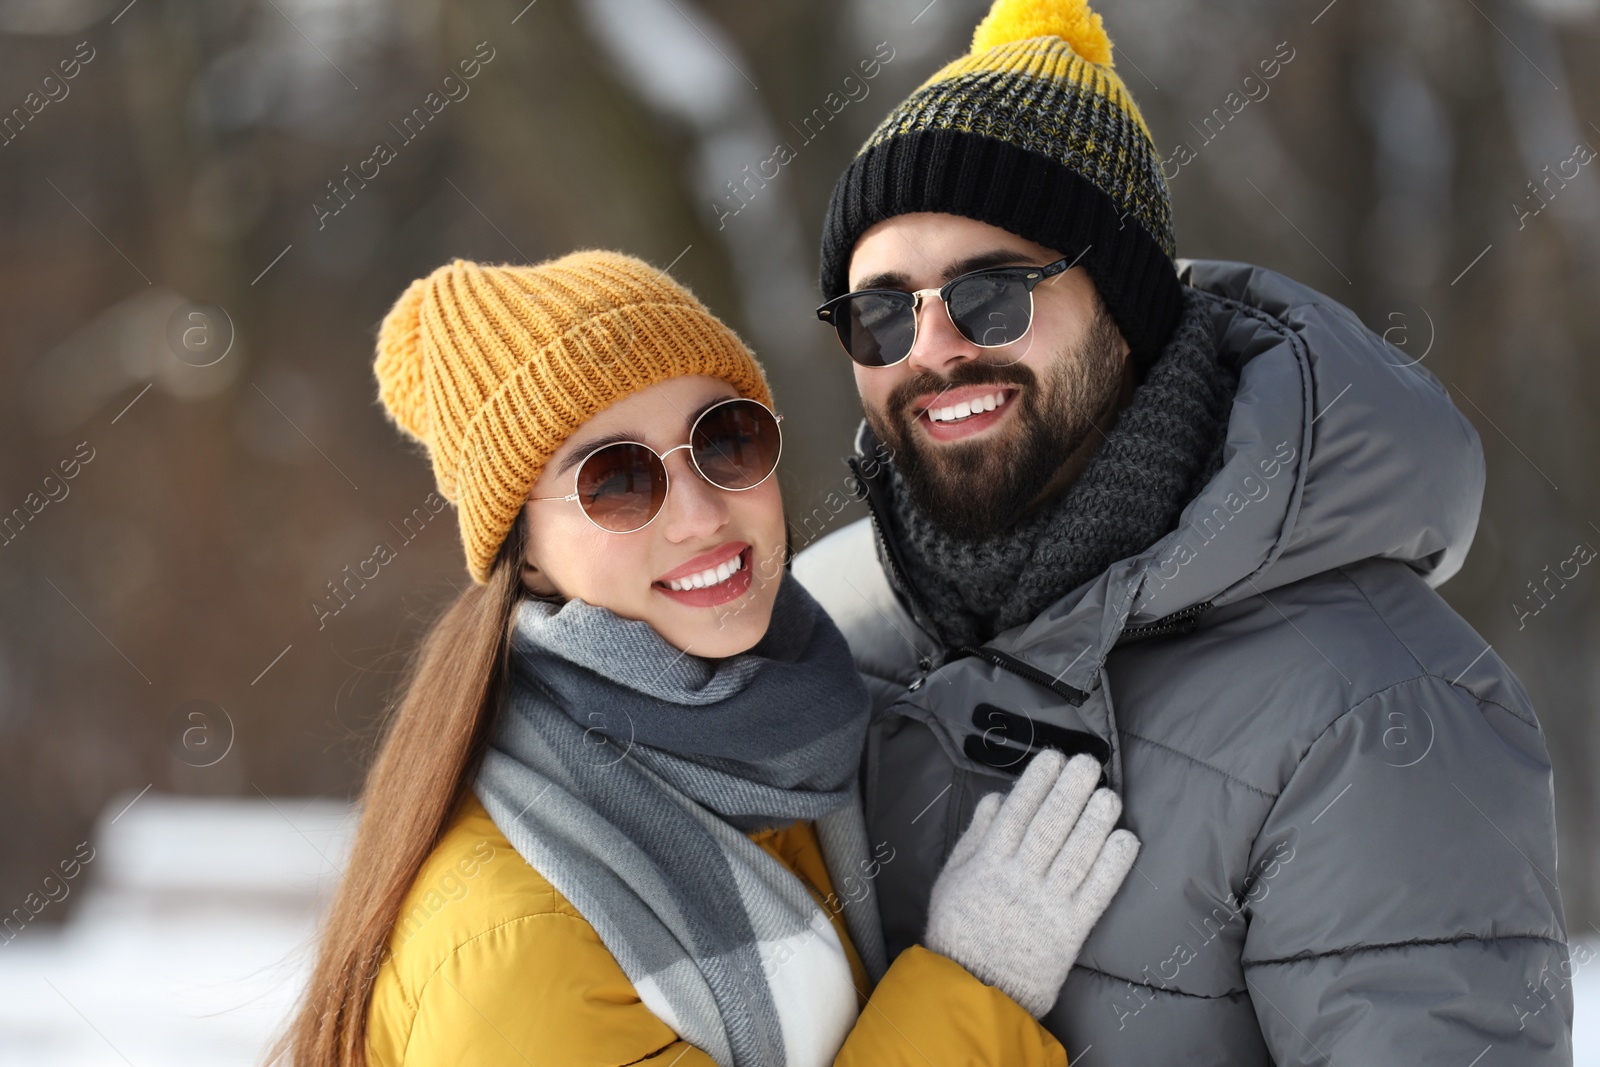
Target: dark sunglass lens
[877,328]
[736,444]
[991,309]
[622,486]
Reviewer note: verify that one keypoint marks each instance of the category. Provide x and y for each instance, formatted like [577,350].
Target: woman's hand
[1030,877]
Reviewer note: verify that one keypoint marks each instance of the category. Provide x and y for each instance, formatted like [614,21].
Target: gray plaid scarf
[628,773]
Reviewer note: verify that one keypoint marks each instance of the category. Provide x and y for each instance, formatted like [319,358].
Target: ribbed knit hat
[493,367]
[1031,131]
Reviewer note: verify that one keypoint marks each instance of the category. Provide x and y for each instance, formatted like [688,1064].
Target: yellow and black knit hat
[1031,131]
[493,367]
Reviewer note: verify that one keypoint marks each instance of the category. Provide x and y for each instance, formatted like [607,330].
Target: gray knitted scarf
[628,773]
[1163,449]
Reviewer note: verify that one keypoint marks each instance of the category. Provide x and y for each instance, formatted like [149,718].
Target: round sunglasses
[734,444]
[990,307]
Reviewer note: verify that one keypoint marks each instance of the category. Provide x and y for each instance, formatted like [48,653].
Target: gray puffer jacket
[1343,794]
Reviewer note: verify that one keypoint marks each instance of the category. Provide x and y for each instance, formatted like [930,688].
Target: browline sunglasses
[989,307]
[734,445]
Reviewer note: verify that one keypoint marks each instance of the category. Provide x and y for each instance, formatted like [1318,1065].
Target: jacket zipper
[1022,669]
[1178,622]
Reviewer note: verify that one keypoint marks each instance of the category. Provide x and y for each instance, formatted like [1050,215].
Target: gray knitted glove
[1030,877]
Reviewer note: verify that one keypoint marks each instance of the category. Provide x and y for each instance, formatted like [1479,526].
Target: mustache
[906,393]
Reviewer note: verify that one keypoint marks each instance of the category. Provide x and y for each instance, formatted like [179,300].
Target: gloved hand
[1030,877]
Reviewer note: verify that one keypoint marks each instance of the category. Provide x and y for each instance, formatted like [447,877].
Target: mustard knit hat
[493,367]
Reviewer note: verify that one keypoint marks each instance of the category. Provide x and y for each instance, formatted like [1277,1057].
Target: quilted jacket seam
[1422,668]
[1161,989]
[1388,946]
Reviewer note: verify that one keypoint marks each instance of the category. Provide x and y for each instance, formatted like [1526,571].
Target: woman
[615,820]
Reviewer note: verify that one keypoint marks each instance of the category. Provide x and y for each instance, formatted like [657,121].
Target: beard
[977,489]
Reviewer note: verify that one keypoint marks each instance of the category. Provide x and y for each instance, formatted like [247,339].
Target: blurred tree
[200,154]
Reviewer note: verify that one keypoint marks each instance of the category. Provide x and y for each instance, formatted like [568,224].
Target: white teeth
[715,576]
[966,409]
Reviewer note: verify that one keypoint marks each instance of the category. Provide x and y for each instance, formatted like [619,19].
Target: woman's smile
[711,578]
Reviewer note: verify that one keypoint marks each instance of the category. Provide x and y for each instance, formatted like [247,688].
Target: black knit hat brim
[1023,192]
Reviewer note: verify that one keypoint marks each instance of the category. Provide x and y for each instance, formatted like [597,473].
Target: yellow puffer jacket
[490,966]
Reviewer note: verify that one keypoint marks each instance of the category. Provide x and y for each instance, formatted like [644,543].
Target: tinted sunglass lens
[736,444]
[622,486]
[991,309]
[877,328]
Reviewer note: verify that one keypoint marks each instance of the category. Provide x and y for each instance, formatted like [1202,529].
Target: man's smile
[963,412]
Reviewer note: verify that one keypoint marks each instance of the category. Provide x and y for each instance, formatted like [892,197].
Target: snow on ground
[1586,1010]
[188,947]
[188,944]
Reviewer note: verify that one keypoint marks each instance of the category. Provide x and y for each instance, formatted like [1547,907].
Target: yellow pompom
[399,363]
[1071,20]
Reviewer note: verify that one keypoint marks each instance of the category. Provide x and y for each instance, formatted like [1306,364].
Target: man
[1186,517]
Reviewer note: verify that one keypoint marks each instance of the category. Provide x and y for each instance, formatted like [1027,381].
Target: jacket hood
[1340,448]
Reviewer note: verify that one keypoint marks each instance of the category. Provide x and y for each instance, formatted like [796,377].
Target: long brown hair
[420,775]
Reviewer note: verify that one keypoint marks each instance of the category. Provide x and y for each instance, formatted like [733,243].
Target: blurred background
[206,208]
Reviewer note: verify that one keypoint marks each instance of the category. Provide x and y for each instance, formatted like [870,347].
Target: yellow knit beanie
[493,367]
